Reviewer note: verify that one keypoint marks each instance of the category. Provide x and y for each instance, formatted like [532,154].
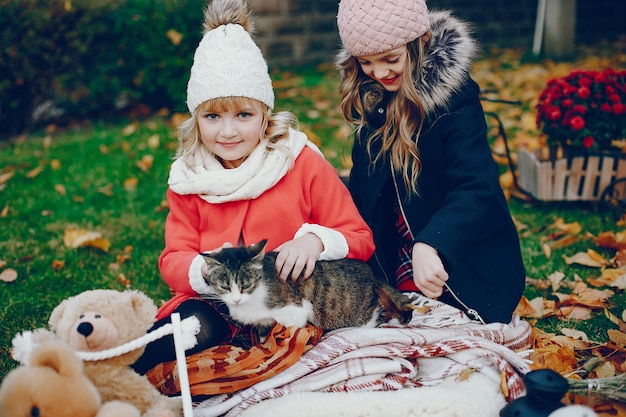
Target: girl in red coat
[242,174]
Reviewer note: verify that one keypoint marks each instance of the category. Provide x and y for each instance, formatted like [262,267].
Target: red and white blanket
[440,344]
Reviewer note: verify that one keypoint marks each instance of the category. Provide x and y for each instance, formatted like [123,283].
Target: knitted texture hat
[227,63]
[369,27]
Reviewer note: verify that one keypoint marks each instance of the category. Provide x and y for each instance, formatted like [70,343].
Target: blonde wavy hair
[405,112]
[275,128]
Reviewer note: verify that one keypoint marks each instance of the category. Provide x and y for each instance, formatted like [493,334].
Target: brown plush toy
[53,385]
[101,320]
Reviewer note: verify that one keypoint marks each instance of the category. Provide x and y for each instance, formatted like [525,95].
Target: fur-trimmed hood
[449,61]
[450,57]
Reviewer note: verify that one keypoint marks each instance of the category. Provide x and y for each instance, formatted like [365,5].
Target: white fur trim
[335,243]
[573,411]
[196,280]
[477,396]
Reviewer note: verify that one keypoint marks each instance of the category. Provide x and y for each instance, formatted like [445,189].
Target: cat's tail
[394,304]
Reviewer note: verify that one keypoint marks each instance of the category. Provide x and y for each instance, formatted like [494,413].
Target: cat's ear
[257,248]
[210,259]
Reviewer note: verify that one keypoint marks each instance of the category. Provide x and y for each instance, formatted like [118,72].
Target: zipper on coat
[471,312]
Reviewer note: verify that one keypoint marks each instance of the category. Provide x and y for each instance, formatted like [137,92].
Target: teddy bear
[100,321]
[53,384]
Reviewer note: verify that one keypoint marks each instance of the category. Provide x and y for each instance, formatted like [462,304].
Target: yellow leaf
[145,163]
[60,188]
[55,164]
[76,238]
[125,281]
[130,184]
[154,141]
[174,36]
[590,258]
[34,172]
[6,176]
[129,130]
[106,190]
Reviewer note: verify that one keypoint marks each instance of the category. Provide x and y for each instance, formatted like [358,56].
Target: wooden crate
[582,178]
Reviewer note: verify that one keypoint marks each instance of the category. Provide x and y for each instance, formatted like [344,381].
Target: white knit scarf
[258,173]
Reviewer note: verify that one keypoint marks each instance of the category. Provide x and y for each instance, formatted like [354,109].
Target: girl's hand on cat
[298,255]
[429,274]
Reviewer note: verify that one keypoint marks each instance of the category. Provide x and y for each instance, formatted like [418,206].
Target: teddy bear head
[52,384]
[98,320]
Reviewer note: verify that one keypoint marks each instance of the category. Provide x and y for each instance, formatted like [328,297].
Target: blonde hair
[275,128]
[405,112]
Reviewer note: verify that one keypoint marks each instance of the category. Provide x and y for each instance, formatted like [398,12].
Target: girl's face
[231,131]
[386,67]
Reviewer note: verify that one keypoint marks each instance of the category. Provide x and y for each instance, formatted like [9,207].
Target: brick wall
[297,32]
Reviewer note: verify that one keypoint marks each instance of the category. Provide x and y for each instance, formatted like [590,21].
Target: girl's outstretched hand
[429,274]
[297,256]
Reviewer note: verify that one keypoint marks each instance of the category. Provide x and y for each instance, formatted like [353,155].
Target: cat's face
[235,273]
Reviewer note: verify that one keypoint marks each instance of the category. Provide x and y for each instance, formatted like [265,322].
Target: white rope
[190,328]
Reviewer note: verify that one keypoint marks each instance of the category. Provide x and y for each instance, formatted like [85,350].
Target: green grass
[82,184]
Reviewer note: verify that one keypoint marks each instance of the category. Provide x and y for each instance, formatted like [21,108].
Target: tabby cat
[341,293]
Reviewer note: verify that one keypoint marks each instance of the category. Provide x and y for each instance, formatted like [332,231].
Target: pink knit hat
[369,27]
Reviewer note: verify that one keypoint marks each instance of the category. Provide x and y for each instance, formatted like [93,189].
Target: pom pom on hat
[227,62]
[369,27]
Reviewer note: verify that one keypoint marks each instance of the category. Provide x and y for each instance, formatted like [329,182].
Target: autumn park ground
[83,208]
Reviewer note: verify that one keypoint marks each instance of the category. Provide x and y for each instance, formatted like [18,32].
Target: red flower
[584,111]
[584,92]
[577,122]
[588,141]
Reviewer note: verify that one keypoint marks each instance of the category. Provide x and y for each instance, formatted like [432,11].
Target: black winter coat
[460,210]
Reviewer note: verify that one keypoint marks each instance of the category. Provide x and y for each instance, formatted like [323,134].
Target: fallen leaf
[564,242]
[174,36]
[130,184]
[75,238]
[8,275]
[590,258]
[106,190]
[615,320]
[34,172]
[57,265]
[125,281]
[575,334]
[6,176]
[154,141]
[611,240]
[617,337]
[145,163]
[129,130]
[555,279]
[60,188]
[574,313]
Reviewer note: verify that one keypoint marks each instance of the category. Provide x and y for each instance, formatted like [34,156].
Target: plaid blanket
[439,344]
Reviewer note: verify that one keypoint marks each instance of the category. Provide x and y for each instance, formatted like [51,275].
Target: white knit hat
[228,63]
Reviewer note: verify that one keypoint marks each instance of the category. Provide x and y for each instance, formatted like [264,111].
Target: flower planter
[580,178]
